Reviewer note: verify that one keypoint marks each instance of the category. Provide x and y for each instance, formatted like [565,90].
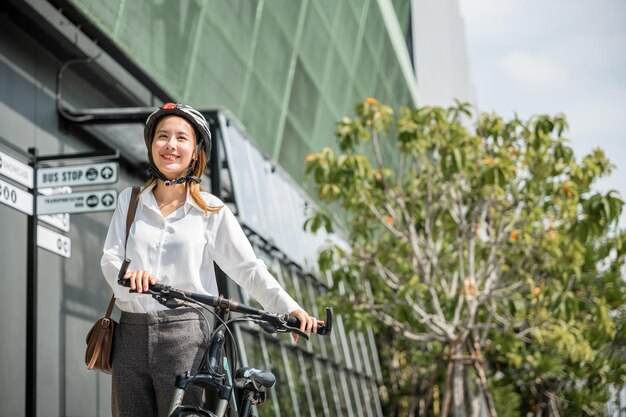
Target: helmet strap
[186,177]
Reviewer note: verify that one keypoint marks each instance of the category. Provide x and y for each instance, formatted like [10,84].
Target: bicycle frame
[211,374]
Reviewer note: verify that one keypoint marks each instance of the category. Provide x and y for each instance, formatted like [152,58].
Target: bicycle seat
[252,378]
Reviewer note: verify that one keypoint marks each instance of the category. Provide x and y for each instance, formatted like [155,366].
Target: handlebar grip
[151,287]
[328,323]
[322,329]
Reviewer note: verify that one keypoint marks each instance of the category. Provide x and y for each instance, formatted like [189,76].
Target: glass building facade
[277,75]
[289,70]
[334,376]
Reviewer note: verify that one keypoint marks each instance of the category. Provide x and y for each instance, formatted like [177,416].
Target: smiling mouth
[169,157]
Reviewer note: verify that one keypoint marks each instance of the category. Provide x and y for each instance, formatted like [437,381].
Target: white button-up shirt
[179,250]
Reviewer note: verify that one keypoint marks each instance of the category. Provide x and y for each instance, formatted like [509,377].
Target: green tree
[481,254]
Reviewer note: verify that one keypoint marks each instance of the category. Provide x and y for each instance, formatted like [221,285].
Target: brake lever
[272,328]
[168,302]
[295,330]
[166,296]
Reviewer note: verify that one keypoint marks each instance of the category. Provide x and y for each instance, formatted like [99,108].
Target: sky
[555,56]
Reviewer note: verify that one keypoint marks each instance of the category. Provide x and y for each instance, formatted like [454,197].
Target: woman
[178,232]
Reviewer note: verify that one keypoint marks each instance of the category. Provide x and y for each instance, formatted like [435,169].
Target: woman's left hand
[308,324]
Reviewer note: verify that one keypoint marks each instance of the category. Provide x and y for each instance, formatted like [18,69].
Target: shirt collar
[191,203]
[146,198]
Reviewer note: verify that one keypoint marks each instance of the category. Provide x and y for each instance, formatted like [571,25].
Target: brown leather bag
[100,342]
[100,337]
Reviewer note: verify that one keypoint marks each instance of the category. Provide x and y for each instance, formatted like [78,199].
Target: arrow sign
[54,242]
[87,201]
[16,170]
[61,220]
[16,198]
[92,174]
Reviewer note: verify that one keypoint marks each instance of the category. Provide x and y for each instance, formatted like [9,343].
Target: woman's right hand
[139,280]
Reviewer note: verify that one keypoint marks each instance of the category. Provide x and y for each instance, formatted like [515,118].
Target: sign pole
[33,205]
[31,302]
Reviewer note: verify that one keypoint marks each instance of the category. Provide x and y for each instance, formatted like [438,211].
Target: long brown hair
[198,170]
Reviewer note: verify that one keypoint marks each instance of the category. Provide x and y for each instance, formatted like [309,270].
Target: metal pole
[216,164]
[31,300]
[216,189]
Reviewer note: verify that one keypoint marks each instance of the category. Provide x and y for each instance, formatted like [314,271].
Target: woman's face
[173,146]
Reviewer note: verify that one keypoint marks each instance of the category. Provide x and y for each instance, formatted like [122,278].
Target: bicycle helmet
[200,125]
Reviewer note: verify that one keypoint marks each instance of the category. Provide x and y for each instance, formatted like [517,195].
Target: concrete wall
[441,63]
[71,292]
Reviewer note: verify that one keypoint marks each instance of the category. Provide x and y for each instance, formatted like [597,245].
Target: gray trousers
[149,351]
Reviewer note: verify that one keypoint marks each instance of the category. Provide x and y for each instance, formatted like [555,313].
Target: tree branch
[381,218]
[395,281]
[400,327]
[438,325]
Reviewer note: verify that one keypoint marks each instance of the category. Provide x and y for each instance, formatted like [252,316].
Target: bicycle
[214,370]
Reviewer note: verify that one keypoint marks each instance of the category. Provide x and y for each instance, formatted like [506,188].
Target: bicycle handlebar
[280,322]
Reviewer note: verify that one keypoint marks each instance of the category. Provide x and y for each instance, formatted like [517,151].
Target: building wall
[289,70]
[71,292]
[441,62]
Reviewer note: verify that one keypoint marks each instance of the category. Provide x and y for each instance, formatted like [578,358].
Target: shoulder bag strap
[130,217]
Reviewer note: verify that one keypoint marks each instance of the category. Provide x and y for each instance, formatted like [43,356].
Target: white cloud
[534,72]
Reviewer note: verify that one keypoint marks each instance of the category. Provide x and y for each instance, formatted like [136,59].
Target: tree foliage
[482,253]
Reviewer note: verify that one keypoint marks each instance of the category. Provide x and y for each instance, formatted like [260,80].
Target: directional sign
[54,242]
[92,174]
[16,198]
[16,170]
[87,201]
[62,220]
